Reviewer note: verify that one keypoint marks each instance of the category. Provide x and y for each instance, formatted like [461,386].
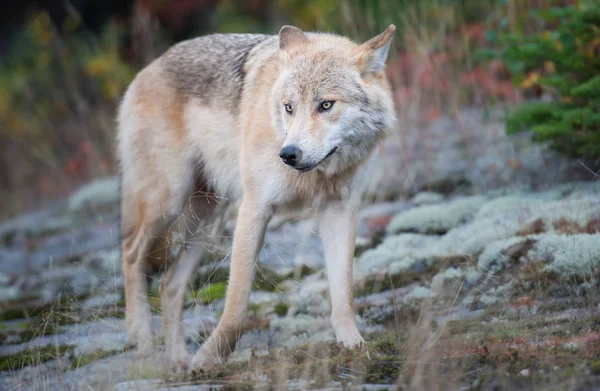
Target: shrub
[561,65]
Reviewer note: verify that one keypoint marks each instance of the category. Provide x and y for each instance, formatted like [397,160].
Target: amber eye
[288,108]
[328,104]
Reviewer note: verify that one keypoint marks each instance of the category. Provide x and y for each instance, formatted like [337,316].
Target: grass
[379,362]
[33,356]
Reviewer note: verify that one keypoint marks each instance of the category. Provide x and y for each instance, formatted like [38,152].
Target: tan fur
[193,130]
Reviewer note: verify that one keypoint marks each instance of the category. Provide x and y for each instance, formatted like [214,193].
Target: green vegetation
[281,309]
[560,62]
[85,359]
[210,292]
[33,356]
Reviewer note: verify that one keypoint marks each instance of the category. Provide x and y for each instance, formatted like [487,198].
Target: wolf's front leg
[247,241]
[337,229]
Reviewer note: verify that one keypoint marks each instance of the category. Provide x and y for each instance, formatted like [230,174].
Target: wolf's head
[331,99]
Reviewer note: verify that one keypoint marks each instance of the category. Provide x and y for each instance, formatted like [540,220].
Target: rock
[297,384]
[436,219]
[82,282]
[138,385]
[8,293]
[524,373]
[98,193]
[100,302]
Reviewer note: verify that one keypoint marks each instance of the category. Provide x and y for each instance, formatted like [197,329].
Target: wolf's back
[211,67]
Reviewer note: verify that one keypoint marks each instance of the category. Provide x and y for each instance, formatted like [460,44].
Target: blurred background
[477,264]
[65,64]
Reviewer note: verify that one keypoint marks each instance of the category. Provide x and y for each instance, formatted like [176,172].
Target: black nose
[290,155]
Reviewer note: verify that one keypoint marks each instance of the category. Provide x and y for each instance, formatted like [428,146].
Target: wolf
[270,122]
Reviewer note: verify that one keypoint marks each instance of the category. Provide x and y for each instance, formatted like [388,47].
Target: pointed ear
[373,53]
[290,36]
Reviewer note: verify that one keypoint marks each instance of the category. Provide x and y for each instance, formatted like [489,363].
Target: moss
[33,356]
[281,309]
[17,326]
[12,315]
[210,292]
[267,280]
[85,359]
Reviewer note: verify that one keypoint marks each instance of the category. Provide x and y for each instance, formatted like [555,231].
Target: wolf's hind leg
[137,310]
[198,217]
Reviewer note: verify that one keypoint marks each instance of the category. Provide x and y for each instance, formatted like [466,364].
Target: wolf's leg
[173,287]
[135,251]
[247,241]
[337,228]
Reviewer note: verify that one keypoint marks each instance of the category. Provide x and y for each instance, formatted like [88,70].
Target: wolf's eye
[288,108]
[328,104]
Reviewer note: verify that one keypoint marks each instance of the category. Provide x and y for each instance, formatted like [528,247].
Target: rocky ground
[461,288]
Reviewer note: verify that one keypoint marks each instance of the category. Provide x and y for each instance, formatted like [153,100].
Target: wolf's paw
[347,333]
[144,348]
[179,362]
[351,340]
[205,357]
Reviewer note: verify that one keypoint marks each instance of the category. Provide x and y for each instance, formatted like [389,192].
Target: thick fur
[205,123]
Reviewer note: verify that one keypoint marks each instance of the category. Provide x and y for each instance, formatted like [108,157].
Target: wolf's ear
[290,36]
[373,53]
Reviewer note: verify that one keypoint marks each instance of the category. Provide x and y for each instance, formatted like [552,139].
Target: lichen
[400,253]
[568,256]
[97,193]
[436,219]
[419,292]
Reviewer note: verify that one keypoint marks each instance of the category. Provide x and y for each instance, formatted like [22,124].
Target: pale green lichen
[473,237]
[97,193]
[400,253]
[436,219]
[576,210]
[418,293]
[510,206]
[568,255]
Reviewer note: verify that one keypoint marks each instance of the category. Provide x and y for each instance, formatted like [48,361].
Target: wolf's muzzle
[291,155]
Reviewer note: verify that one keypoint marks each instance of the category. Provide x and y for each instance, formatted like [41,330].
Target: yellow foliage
[99,65]
[549,66]
[558,45]
[531,80]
